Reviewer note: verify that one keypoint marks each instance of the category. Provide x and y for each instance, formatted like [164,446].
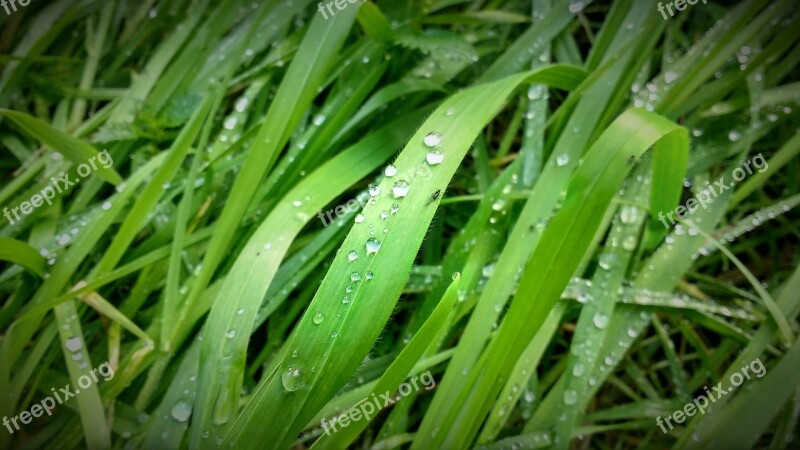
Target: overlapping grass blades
[524,264]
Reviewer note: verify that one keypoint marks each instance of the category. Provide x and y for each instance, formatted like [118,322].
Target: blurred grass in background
[514,155]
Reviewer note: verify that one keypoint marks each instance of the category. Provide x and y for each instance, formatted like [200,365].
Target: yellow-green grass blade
[232,317]
[284,403]
[399,369]
[565,239]
[71,147]
[298,89]
[18,252]
[92,414]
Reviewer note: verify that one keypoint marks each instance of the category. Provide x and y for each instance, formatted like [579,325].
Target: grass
[514,160]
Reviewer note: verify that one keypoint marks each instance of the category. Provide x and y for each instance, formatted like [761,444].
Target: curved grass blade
[18,252]
[425,338]
[565,240]
[231,322]
[285,403]
[72,148]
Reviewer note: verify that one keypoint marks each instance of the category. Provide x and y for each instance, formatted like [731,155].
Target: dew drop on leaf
[435,157]
[400,188]
[373,245]
[432,139]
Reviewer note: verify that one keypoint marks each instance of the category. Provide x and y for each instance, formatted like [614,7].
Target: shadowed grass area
[575,219]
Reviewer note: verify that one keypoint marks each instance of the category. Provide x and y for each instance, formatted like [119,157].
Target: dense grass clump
[423,224]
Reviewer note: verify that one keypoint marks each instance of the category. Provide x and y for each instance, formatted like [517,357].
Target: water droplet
[352,256]
[629,214]
[292,379]
[400,188]
[432,139]
[578,370]
[345,299]
[395,207]
[106,206]
[230,334]
[374,190]
[319,119]
[499,204]
[355,276]
[734,136]
[390,171]
[369,275]
[562,160]
[435,156]
[360,218]
[629,243]
[600,320]
[297,203]
[449,112]
[607,261]
[267,246]
[570,397]
[373,245]
[318,318]
[181,411]
[73,344]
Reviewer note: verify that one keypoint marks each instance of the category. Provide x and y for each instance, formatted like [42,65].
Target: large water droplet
[432,139]
[352,256]
[607,261]
[181,411]
[390,171]
[360,218]
[629,214]
[373,245]
[600,320]
[73,344]
[570,397]
[400,188]
[578,370]
[318,318]
[435,156]
[355,276]
[292,379]
[374,190]
[629,243]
